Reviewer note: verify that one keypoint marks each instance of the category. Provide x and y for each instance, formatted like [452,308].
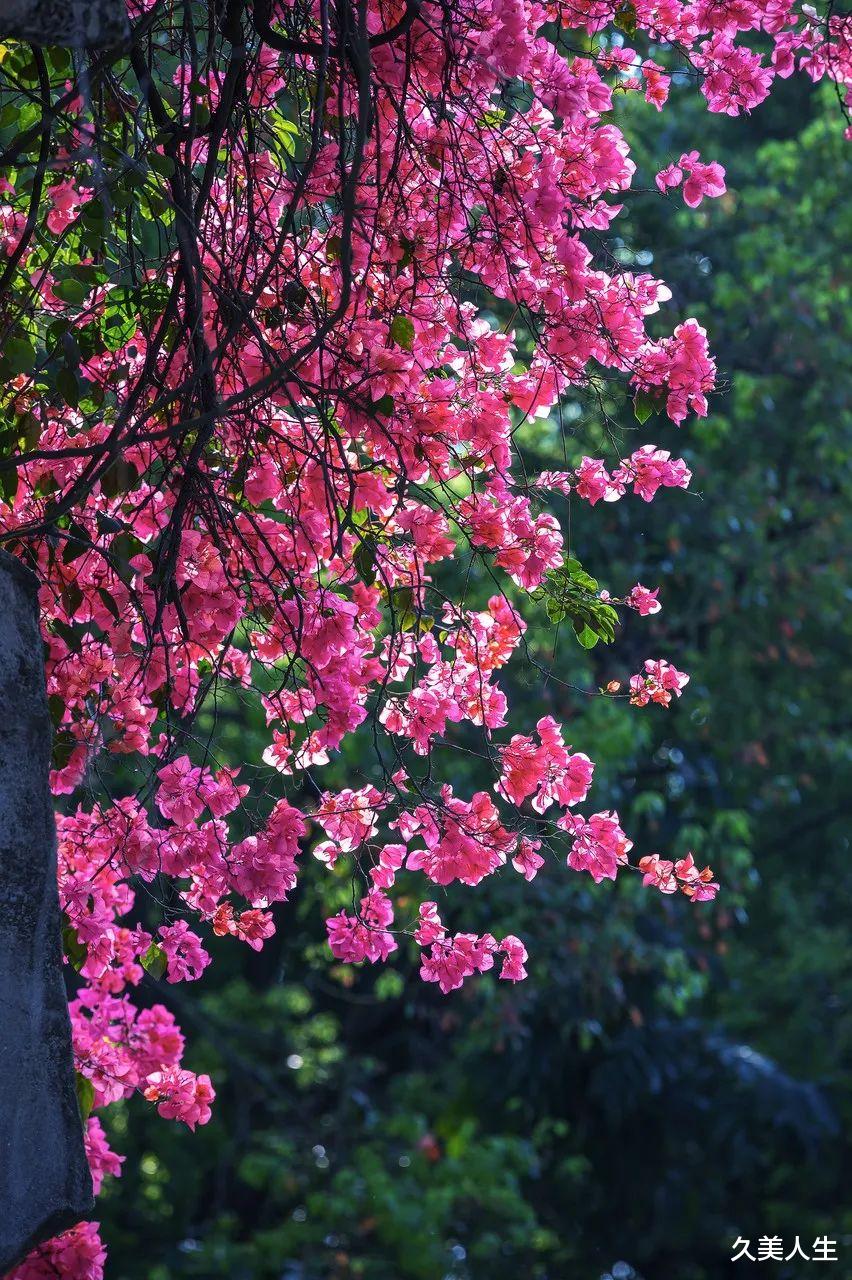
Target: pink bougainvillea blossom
[643,600]
[701,179]
[669,876]
[659,682]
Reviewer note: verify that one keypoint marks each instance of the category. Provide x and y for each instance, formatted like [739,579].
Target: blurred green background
[668,1078]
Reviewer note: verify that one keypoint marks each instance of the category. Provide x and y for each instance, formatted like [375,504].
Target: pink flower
[671,176]
[658,872]
[656,84]
[391,858]
[668,877]
[349,817]
[515,954]
[523,766]
[74,1255]
[179,796]
[180,1095]
[735,79]
[600,846]
[186,958]
[430,929]
[527,861]
[102,1160]
[650,469]
[67,202]
[697,885]
[595,483]
[659,683]
[465,842]
[703,179]
[643,600]
[547,772]
[703,890]
[365,937]
[452,959]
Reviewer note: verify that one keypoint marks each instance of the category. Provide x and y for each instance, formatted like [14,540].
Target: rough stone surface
[44,1177]
[72,24]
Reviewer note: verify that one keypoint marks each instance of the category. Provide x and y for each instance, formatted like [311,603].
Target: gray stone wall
[73,24]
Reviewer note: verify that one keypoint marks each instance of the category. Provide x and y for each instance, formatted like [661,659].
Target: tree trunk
[45,1184]
[72,24]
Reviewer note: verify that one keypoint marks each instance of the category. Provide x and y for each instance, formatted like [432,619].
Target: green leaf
[285,134]
[584,580]
[586,636]
[647,402]
[29,430]
[295,297]
[9,484]
[109,602]
[642,406]
[68,634]
[402,332]
[605,622]
[68,387]
[384,406]
[154,961]
[76,544]
[625,18]
[63,749]
[94,216]
[73,948]
[402,599]
[570,592]
[118,478]
[164,165]
[118,330]
[109,524]
[85,1095]
[72,290]
[365,560]
[20,354]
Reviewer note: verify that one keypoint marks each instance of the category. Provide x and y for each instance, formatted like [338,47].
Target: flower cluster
[659,682]
[450,958]
[701,179]
[668,877]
